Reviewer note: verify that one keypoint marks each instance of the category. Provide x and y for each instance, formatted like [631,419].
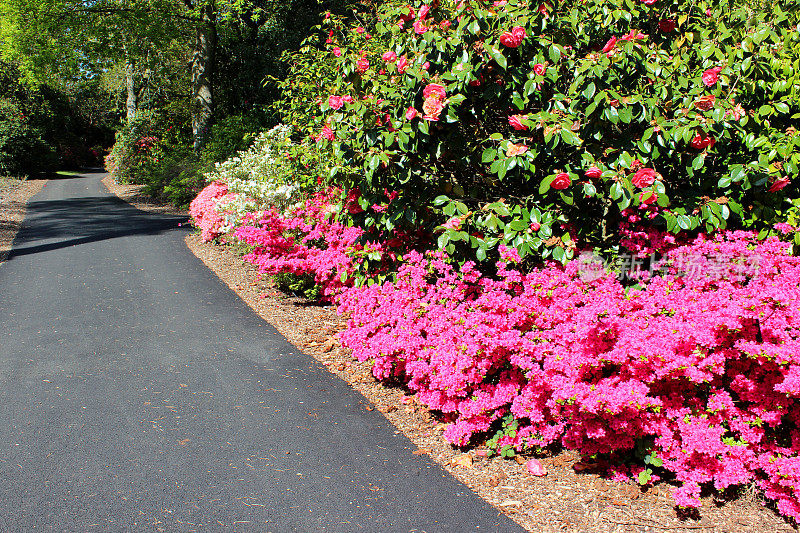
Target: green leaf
[588,92]
[644,476]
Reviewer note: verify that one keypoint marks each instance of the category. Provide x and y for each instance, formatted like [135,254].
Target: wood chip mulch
[14,196]
[571,497]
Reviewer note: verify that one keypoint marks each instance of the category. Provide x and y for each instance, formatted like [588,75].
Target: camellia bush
[551,128]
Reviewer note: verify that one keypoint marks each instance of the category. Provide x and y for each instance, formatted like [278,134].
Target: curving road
[138,393]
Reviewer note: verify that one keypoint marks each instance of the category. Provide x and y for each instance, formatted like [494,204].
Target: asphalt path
[138,393]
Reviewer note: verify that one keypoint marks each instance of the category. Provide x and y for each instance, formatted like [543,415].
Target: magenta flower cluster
[204,213]
[701,363]
[307,241]
[705,365]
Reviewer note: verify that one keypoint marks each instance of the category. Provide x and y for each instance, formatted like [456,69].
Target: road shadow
[53,224]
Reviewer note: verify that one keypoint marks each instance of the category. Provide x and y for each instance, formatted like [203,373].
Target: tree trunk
[202,75]
[131,103]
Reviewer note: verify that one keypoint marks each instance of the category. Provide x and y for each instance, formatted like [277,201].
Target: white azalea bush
[256,179]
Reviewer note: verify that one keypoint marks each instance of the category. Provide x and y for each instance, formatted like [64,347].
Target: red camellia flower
[711,76]
[561,181]
[516,122]
[610,44]
[705,102]
[648,197]
[648,2]
[408,15]
[420,27]
[337,51]
[702,140]
[535,226]
[423,11]
[593,173]
[513,38]
[644,177]
[539,69]
[411,113]
[779,184]
[667,25]
[362,65]
[389,57]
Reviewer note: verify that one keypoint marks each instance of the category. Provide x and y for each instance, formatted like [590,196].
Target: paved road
[138,393]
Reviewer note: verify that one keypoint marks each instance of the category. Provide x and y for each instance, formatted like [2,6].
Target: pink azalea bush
[203,210]
[702,363]
[307,241]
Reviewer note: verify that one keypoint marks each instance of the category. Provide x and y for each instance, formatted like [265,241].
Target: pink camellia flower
[516,122]
[644,177]
[778,185]
[420,27]
[337,51]
[389,57]
[423,11]
[327,133]
[499,3]
[737,112]
[667,25]
[535,468]
[515,149]
[539,69]
[513,38]
[702,140]
[335,102]
[426,65]
[434,89]
[402,64]
[362,65]
[648,2]
[561,181]
[360,30]
[711,76]
[535,226]
[347,99]
[610,44]
[705,102]
[444,24]
[593,173]
[433,105]
[454,224]
[411,113]
[633,35]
